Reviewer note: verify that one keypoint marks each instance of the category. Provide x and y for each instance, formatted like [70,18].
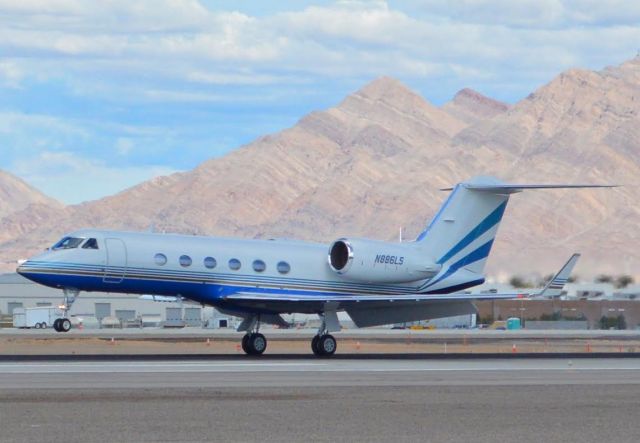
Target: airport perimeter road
[322,400]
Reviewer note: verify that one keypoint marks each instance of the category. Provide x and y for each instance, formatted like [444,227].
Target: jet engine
[374,261]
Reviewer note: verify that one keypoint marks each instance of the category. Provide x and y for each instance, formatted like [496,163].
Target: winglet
[554,287]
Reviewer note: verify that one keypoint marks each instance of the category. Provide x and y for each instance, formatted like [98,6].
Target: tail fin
[461,233]
[460,236]
[554,287]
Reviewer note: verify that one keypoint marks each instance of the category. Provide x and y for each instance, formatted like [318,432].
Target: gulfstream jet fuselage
[375,282]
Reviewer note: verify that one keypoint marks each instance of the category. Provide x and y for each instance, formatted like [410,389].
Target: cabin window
[185,261]
[259,266]
[160,259]
[283,267]
[92,243]
[68,243]
[234,264]
[210,262]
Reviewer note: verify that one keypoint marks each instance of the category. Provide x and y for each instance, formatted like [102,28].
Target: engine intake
[340,256]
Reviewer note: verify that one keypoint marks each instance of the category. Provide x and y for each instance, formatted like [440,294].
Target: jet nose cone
[22,266]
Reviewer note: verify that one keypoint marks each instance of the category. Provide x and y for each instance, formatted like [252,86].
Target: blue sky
[98,96]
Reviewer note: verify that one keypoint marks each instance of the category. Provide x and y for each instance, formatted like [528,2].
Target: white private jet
[375,282]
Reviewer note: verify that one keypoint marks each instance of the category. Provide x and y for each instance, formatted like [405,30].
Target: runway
[314,372]
[321,400]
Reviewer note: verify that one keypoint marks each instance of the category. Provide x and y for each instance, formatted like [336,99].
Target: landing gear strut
[64,324]
[324,344]
[253,342]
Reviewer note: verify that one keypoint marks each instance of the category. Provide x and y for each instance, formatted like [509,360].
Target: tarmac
[305,399]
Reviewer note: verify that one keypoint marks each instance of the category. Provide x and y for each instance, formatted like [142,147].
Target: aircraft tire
[56,324]
[314,345]
[65,325]
[257,343]
[327,345]
[37,326]
[245,344]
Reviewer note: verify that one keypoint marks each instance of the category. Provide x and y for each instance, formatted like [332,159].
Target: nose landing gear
[64,324]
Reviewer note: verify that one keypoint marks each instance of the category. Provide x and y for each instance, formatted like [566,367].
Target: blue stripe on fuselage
[212,277]
[208,293]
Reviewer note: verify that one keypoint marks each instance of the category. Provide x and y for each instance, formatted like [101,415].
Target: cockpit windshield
[92,243]
[68,243]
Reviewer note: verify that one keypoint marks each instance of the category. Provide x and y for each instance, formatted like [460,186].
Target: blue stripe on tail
[489,222]
[478,254]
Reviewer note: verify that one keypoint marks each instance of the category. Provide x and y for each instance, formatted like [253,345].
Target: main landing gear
[254,343]
[322,345]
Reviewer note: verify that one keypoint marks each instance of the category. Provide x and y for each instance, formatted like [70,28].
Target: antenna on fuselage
[400,236]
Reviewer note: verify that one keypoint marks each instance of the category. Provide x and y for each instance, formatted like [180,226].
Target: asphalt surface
[321,400]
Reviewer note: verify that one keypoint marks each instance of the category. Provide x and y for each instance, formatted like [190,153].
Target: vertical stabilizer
[460,236]
[462,232]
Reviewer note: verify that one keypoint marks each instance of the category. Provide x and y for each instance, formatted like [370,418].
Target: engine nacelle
[380,262]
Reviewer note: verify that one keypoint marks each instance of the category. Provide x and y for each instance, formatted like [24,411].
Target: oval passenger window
[259,266]
[283,267]
[185,261]
[210,262]
[234,264]
[160,259]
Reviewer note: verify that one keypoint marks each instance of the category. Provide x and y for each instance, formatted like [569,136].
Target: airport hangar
[106,309]
[581,308]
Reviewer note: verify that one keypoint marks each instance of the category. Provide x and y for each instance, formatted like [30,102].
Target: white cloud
[124,146]
[239,78]
[532,14]
[10,74]
[12,120]
[74,179]
[184,41]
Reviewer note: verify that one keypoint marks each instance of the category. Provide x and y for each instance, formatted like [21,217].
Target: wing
[418,306]
[379,309]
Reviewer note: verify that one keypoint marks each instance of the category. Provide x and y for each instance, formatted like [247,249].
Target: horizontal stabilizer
[512,189]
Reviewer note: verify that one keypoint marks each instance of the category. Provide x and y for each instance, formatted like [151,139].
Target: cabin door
[116,267]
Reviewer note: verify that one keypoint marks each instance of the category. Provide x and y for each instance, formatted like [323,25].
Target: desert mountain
[16,195]
[375,163]
[582,127]
[471,107]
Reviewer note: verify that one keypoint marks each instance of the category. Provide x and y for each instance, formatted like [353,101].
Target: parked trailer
[39,318]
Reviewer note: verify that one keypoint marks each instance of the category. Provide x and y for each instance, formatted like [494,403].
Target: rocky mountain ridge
[374,163]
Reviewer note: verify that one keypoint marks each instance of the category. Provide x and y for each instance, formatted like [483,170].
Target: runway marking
[257,367]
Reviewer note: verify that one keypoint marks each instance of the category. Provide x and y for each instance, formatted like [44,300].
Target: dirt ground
[228,345]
